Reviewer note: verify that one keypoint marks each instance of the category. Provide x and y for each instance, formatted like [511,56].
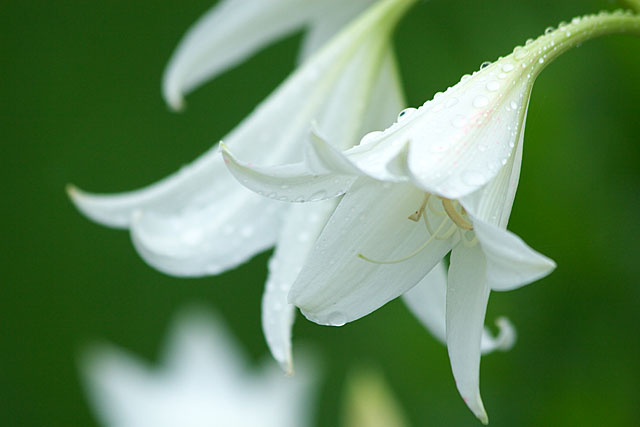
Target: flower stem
[536,55]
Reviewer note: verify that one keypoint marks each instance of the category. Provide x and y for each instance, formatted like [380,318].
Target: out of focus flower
[442,178]
[369,402]
[202,380]
[200,221]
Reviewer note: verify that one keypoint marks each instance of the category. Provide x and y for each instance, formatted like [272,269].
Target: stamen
[455,216]
[412,254]
[417,214]
[449,232]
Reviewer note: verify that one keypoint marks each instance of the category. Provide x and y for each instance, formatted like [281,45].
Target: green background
[80,91]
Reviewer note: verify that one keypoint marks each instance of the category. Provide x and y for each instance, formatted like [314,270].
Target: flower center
[451,213]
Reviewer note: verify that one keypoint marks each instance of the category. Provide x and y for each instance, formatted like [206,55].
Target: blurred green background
[80,90]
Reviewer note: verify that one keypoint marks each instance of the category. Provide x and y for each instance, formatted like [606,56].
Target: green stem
[553,43]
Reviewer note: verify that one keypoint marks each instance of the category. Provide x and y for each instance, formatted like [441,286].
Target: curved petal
[427,302]
[493,202]
[224,36]
[302,227]
[337,284]
[511,263]
[292,183]
[331,16]
[467,296]
[208,239]
[183,223]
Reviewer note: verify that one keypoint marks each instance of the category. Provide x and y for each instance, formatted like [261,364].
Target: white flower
[442,178]
[200,221]
[202,380]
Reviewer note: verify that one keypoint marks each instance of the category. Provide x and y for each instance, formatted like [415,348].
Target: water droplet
[549,30]
[459,121]
[520,53]
[483,147]
[484,65]
[480,101]
[493,86]
[528,42]
[337,319]
[405,113]
[465,78]
[575,20]
[320,195]
[451,102]
[514,105]
[370,137]
[502,76]
[507,68]
[541,60]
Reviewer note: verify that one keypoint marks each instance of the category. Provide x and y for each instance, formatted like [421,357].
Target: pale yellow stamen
[420,212]
[455,216]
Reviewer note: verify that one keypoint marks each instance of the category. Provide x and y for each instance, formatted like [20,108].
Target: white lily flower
[200,221]
[203,379]
[442,178]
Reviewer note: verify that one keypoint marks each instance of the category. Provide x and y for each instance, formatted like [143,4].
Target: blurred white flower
[202,380]
[200,221]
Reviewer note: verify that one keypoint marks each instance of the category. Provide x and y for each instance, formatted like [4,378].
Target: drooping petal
[493,202]
[330,17]
[511,263]
[228,33]
[467,296]
[337,284]
[302,226]
[183,223]
[427,301]
[211,238]
[304,223]
[292,183]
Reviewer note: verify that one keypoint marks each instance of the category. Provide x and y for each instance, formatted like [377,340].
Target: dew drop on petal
[458,121]
[405,113]
[370,137]
[507,68]
[493,86]
[320,195]
[513,105]
[480,101]
[451,102]
[484,65]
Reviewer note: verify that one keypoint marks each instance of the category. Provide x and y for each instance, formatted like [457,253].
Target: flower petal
[467,296]
[224,36]
[331,16]
[493,202]
[337,285]
[211,238]
[511,263]
[427,302]
[292,183]
[302,227]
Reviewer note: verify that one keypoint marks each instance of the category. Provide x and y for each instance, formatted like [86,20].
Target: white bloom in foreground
[443,178]
[202,380]
[200,221]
